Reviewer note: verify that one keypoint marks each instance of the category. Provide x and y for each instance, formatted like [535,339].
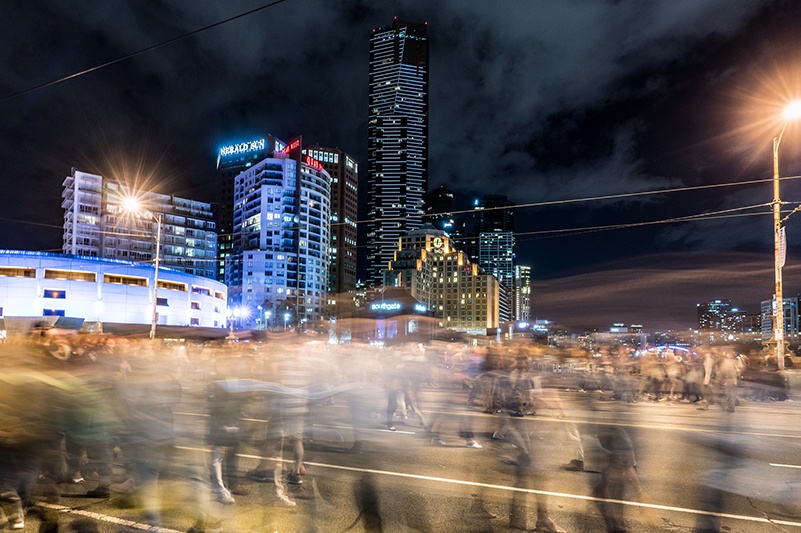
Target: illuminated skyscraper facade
[344,174]
[496,256]
[397,158]
[522,293]
[233,158]
[282,217]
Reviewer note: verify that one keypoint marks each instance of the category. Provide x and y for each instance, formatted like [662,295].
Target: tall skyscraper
[96,225]
[344,174]
[397,158]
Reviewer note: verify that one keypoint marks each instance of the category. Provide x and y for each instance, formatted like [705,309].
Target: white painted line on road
[203,415]
[784,466]
[664,427]
[106,518]
[567,495]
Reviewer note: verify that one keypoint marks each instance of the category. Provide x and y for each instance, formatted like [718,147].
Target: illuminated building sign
[385,306]
[294,145]
[420,307]
[241,148]
[312,162]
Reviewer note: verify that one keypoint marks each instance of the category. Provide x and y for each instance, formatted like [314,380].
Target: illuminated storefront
[397,317]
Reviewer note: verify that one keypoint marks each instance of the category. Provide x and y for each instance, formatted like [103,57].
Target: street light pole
[778,260]
[791,112]
[154,318]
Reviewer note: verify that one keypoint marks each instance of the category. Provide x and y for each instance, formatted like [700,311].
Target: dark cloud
[659,291]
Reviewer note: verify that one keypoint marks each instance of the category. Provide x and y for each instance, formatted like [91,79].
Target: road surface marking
[106,518]
[784,466]
[538,418]
[327,426]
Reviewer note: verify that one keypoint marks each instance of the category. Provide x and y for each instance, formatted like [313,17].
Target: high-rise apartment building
[791,319]
[232,159]
[280,258]
[496,256]
[397,156]
[96,225]
[492,212]
[344,173]
[522,293]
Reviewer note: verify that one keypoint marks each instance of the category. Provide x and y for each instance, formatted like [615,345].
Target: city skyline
[669,96]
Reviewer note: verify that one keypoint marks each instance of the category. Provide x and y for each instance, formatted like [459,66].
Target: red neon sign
[312,162]
[294,145]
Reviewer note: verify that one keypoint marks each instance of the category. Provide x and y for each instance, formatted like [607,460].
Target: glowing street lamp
[132,205]
[791,112]
[286,319]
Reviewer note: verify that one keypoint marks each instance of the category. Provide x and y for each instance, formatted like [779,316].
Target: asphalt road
[739,472]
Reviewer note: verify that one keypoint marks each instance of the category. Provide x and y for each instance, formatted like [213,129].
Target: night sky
[546,102]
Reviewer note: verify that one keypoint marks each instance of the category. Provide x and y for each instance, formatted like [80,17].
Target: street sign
[782,247]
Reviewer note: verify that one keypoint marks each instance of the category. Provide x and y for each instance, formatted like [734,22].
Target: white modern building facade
[282,224]
[38,284]
[96,225]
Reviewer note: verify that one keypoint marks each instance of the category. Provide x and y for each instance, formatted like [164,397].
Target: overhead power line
[701,217]
[139,52]
[618,196]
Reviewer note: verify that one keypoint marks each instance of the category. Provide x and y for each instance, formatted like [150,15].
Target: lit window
[50,293]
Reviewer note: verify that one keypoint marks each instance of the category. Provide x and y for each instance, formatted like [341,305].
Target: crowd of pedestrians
[71,406]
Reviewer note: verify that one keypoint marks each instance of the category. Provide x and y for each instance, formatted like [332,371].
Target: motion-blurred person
[727,373]
[675,370]
[90,413]
[148,395]
[619,477]
[285,409]
[692,381]
[451,417]
[707,392]
[226,407]
[527,469]
[413,373]
[490,381]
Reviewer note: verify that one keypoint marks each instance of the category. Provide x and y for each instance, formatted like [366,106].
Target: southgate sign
[241,148]
[394,306]
[385,306]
